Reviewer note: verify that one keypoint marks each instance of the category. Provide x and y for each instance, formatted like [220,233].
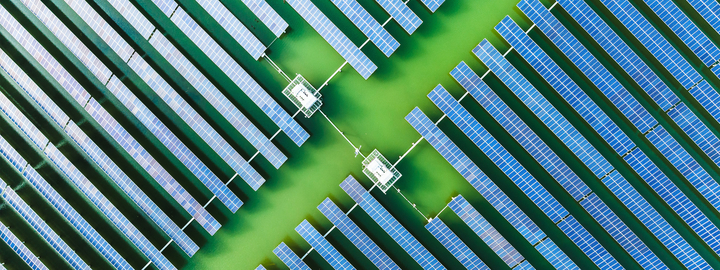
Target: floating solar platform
[380,170]
[332,34]
[304,95]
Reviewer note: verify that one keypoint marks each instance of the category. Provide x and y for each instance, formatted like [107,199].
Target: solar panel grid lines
[432,5]
[322,246]
[134,17]
[707,96]
[565,86]
[43,229]
[267,15]
[542,108]
[368,25]
[109,123]
[688,32]
[241,78]
[67,211]
[353,233]
[453,244]
[260,267]
[621,233]
[475,176]
[662,230]
[132,190]
[498,154]
[145,160]
[485,231]
[654,42]
[554,255]
[166,6]
[402,14]
[197,123]
[107,208]
[221,103]
[234,27]
[389,224]
[589,65]
[104,30]
[524,266]
[339,41]
[709,10]
[289,258]
[621,52]
[587,243]
[20,249]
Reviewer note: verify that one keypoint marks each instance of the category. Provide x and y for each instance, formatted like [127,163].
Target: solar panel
[20,249]
[482,183]
[520,176]
[353,233]
[402,14]
[289,258]
[697,130]
[322,246]
[589,65]
[368,25]
[524,266]
[453,244]
[565,86]
[389,224]
[707,96]
[339,41]
[654,42]
[267,15]
[135,18]
[688,32]
[197,123]
[72,216]
[542,108]
[708,9]
[240,77]
[433,5]
[221,103]
[234,27]
[485,231]
[621,52]
[148,119]
[498,154]
[42,228]
[260,267]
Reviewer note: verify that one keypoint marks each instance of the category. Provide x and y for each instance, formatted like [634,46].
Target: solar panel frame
[20,249]
[368,25]
[452,243]
[234,27]
[402,14]
[322,246]
[289,258]
[709,10]
[267,15]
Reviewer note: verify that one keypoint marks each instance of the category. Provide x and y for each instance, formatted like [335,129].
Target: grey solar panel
[267,15]
[339,41]
[234,27]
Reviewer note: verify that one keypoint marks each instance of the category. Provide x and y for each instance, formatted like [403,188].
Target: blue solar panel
[482,183]
[240,77]
[453,244]
[587,243]
[234,27]
[72,216]
[710,10]
[368,25]
[498,154]
[707,96]
[42,228]
[267,15]
[402,14]
[371,250]
[260,267]
[197,123]
[289,258]
[221,103]
[322,246]
[588,64]
[688,32]
[565,86]
[542,108]
[697,130]
[654,42]
[389,224]
[485,231]
[339,41]
[524,266]
[20,249]
[621,52]
[433,5]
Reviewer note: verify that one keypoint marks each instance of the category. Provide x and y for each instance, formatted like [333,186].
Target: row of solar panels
[78,82]
[368,25]
[679,150]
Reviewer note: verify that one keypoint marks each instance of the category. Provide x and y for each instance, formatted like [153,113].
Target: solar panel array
[708,9]
[402,14]
[332,34]
[267,15]
[433,5]
[20,249]
[453,244]
[322,246]
[368,25]
[234,27]
[289,258]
